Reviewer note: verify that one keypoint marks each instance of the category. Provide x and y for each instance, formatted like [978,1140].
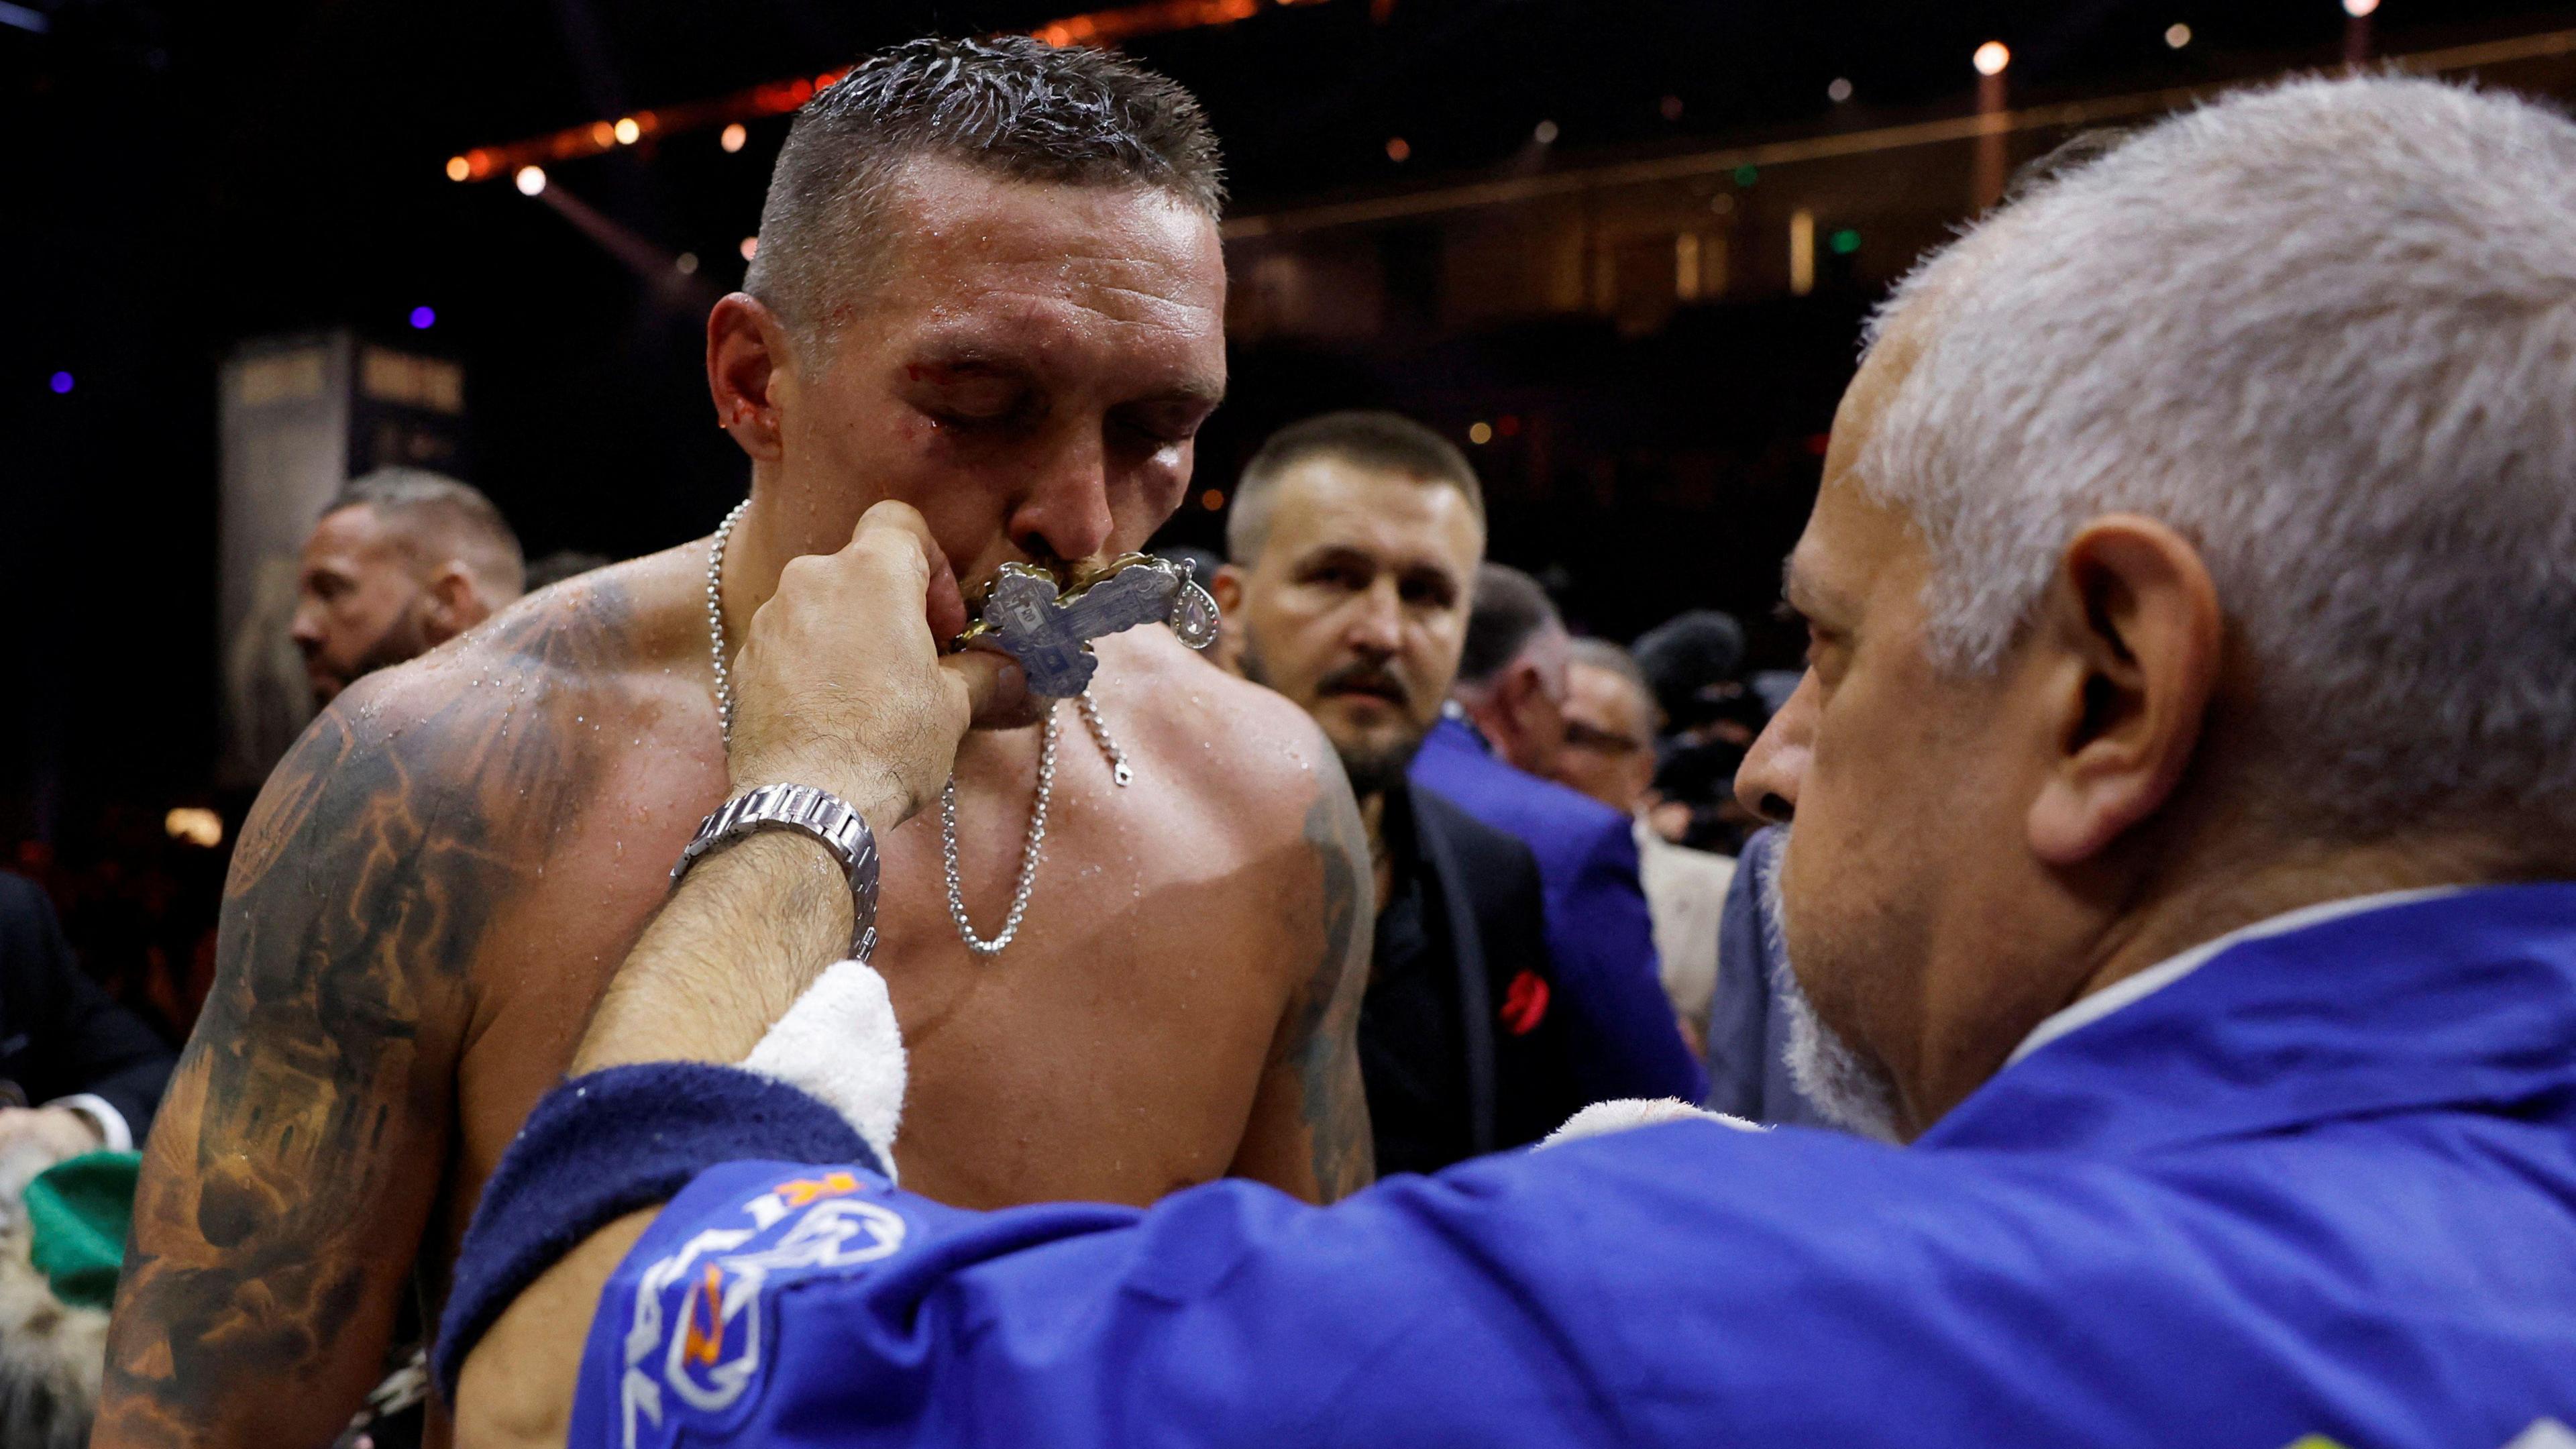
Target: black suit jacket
[1464,1050]
[59,1032]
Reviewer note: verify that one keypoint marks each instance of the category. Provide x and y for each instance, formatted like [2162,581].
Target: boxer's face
[1028,366]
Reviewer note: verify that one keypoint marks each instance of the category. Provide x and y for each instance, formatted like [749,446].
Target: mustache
[1367,678]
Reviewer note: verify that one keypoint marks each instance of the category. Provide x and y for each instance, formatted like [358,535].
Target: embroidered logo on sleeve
[698,1318]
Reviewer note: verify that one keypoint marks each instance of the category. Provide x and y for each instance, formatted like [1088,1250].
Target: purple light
[60,382]
[422,319]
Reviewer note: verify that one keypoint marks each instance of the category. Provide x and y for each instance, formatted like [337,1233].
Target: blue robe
[2323,1184]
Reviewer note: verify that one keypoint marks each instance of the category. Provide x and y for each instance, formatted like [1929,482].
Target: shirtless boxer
[990,287]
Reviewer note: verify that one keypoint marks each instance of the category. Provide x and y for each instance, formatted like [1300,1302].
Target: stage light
[627,132]
[1545,133]
[687,262]
[750,247]
[1747,174]
[459,169]
[531,180]
[1844,242]
[1398,149]
[1211,500]
[602,134]
[2359,8]
[1480,433]
[423,319]
[196,825]
[733,137]
[1671,107]
[2177,35]
[60,382]
[1721,203]
[1994,55]
[1838,91]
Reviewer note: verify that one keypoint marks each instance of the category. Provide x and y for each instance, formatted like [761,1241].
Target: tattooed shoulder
[304,1136]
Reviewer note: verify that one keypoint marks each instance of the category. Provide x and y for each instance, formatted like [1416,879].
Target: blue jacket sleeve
[1624,1040]
[1677,1285]
[779,1303]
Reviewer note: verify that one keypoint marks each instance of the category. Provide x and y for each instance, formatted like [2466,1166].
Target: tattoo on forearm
[1336,1104]
[307,1126]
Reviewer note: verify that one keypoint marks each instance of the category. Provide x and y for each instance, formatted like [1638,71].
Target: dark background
[177,177]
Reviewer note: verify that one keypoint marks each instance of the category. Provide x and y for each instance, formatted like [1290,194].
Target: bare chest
[1112,1051]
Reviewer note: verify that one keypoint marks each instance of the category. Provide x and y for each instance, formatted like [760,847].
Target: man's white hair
[2327,330]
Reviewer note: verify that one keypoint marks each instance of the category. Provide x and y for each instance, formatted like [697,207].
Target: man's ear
[748,357]
[2133,625]
[1227,588]
[451,603]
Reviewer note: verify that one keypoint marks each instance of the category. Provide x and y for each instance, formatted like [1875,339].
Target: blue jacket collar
[2465,1000]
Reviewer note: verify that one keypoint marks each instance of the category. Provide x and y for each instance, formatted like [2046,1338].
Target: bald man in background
[402,561]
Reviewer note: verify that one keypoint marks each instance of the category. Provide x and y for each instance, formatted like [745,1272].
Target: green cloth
[78,1210]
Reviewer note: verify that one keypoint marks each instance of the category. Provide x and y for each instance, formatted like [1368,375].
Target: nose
[1375,625]
[1067,514]
[306,630]
[1774,768]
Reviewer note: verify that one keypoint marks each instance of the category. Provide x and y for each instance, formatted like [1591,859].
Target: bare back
[439,881]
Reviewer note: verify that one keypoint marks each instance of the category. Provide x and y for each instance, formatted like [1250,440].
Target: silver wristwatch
[820,815]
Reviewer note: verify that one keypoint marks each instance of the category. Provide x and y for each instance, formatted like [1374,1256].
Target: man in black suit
[1354,543]
[78,1073]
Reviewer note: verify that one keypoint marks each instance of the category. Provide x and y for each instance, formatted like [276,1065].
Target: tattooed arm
[295,1160]
[1309,1132]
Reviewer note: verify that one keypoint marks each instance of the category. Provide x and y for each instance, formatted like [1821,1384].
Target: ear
[1227,588]
[748,360]
[2133,626]
[451,603]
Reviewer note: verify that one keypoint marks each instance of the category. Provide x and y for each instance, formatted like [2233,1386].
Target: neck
[2211,888]
[2233,890]
[753,558]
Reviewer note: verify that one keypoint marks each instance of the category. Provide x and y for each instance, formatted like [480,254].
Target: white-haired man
[2183,866]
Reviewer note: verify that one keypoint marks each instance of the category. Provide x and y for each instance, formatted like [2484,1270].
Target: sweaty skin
[442,876]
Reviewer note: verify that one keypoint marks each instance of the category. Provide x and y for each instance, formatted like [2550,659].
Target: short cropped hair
[1011,105]
[1603,655]
[1511,611]
[2327,331]
[439,519]
[1379,442]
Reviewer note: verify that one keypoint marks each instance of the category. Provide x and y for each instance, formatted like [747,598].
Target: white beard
[1851,1092]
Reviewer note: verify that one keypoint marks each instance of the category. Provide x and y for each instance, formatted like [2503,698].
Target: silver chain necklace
[1036,843]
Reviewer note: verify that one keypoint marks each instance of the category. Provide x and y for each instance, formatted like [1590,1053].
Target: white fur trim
[1603,1118]
[840,1043]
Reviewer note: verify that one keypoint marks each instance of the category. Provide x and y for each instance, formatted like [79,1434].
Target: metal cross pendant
[1049,630]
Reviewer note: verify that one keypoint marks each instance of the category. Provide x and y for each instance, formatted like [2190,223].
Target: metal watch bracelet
[812,812]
